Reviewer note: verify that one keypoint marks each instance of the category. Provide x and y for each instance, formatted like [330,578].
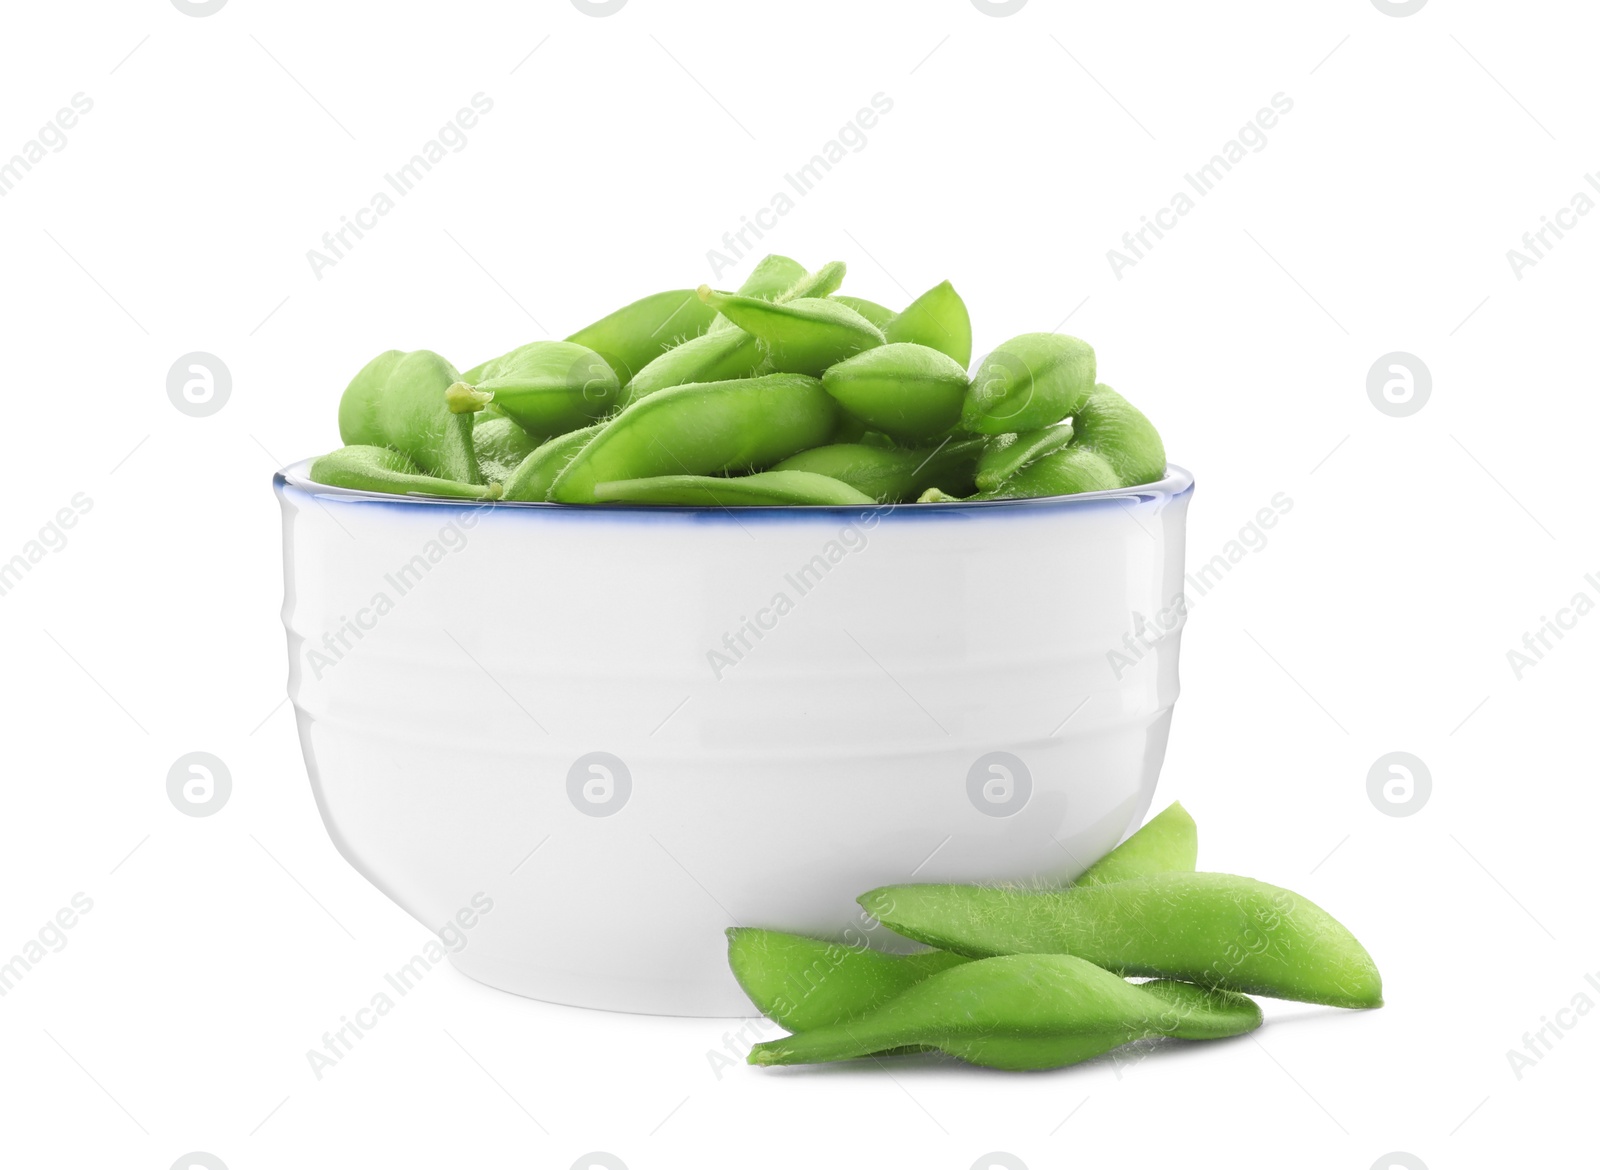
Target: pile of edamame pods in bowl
[782,393]
[1034,978]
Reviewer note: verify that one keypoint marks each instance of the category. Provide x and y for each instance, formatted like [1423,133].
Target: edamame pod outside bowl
[580,741]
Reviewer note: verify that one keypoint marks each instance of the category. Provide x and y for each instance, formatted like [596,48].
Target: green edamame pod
[1112,426]
[871,310]
[803,336]
[1021,1012]
[892,475]
[824,282]
[1214,929]
[718,356]
[1180,1011]
[1028,383]
[849,430]
[1184,1012]
[763,488]
[538,470]
[913,392]
[381,469]
[397,400]
[746,424]
[1005,455]
[938,319]
[1067,472]
[805,983]
[1168,843]
[637,334]
[772,276]
[547,387]
[499,444]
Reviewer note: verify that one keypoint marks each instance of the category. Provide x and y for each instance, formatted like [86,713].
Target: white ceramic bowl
[581,741]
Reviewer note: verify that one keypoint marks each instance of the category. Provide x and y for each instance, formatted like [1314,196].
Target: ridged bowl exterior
[794,706]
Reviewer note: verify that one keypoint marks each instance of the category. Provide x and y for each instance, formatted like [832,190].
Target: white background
[1378,616]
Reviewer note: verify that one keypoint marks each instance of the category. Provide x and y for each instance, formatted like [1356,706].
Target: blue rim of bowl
[1176,483]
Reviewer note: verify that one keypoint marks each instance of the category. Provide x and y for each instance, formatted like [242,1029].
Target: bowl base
[647,995]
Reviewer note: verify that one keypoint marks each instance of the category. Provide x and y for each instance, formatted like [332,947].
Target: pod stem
[464,399]
[711,296]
